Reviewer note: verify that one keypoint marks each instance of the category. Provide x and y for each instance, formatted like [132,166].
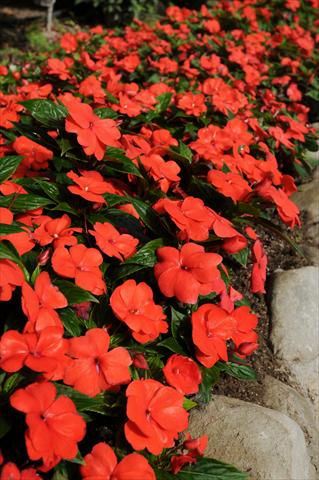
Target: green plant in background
[36,38]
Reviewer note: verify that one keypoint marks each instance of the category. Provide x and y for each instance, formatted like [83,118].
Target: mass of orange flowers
[139,169]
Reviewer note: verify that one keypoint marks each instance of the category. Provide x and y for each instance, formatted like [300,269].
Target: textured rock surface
[295,334]
[262,441]
[287,400]
[308,200]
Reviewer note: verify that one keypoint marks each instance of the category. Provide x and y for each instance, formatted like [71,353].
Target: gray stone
[262,441]
[295,333]
[308,200]
[287,400]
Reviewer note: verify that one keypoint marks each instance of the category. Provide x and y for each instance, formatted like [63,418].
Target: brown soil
[280,256]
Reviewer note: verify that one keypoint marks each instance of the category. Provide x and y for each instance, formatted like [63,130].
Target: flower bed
[134,167]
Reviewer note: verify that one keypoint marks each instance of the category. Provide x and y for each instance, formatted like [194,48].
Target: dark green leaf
[79,460]
[73,293]
[49,188]
[65,145]
[210,469]
[106,113]
[24,202]
[172,345]
[242,372]
[12,382]
[65,207]
[242,256]
[177,319]
[5,425]
[46,112]
[121,163]
[82,402]
[124,270]
[185,151]
[209,377]
[149,217]
[71,322]
[7,229]
[7,251]
[8,166]
[163,102]
[146,255]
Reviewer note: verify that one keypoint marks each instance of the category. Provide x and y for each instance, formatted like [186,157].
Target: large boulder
[264,442]
[295,326]
[285,399]
[308,200]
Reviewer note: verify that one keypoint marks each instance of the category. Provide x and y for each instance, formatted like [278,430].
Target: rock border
[280,442]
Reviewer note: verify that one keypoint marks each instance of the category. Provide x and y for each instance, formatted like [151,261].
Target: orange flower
[39,305]
[192,104]
[57,231]
[11,472]
[43,352]
[211,328]
[259,271]
[54,425]
[35,156]
[101,464]
[94,368]
[229,184]
[183,374]
[82,264]
[133,304]
[156,415]
[187,273]
[191,216]
[111,242]
[93,132]
[22,240]
[165,173]
[90,185]
[10,277]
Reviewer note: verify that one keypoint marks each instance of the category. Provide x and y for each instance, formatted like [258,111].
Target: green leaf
[177,319]
[8,166]
[106,113]
[210,469]
[146,255]
[65,145]
[124,270]
[24,202]
[241,257]
[189,404]
[65,208]
[79,460]
[82,402]
[242,372]
[185,151]
[121,163]
[12,382]
[49,188]
[5,426]
[313,94]
[7,251]
[73,293]
[172,345]
[150,218]
[46,112]
[163,102]
[71,322]
[209,377]
[6,229]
